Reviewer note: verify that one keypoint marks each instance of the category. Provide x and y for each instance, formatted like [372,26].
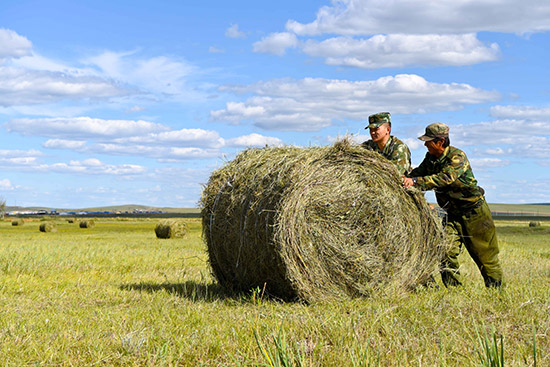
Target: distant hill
[113,208]
[536,209]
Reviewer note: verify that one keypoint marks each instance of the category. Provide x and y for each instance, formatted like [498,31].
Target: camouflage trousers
[475,230]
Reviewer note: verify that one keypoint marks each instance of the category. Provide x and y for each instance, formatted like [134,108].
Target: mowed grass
[115,295]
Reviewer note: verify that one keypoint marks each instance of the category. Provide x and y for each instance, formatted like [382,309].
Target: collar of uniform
[388,143]
[445,153]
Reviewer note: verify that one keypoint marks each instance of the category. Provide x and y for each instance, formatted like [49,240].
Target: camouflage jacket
[394,150]
[452,179]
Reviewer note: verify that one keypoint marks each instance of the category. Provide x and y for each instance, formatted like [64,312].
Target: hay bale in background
[87,223]
[70,220]
[170,229]
[17,222]
[317,223]
[48,227]
[534,224]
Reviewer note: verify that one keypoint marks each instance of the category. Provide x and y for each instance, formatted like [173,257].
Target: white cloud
[516,139]
[521,112]
[215,50]
[19,157]
[190,153]
[499,151]
[253,140]
[81,127]
[18,161]
[488,162]
[159,152]
[312,104]
[161,74]
[29,79]
[29,160]
[134,109]
[92,167]
[5,185]
[183,137]
[24,87]
[521,133]
[64,144]
[116,137]
[36,62]
[399,50]
[19,153]
[413,143]
[234,32]
[408,33]
[365,17]
[276,43]
[13,45]
[237,111]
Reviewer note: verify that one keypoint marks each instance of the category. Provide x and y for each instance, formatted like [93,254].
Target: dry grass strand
[316,223]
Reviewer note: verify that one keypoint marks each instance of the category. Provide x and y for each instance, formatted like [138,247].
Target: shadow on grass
[189,289]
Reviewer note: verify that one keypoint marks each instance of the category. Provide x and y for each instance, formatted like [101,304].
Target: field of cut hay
[117,295]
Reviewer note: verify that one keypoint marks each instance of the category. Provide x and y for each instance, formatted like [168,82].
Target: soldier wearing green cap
[389,146]
[469,223]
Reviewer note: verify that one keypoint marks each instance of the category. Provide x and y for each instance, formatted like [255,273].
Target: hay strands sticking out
[170,228]
[89,223]
[317,223]
[17,222]
[48,227]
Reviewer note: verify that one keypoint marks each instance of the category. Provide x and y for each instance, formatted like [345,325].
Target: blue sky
[119,102]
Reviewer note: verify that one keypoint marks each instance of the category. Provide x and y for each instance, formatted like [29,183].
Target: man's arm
[401,157]
[450,173]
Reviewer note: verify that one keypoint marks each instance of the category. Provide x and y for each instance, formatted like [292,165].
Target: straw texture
[317,223]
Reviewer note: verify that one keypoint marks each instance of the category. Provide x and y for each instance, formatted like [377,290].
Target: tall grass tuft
[281,353]
[363,357]
[490,352]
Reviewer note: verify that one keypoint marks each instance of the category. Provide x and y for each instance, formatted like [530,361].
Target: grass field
[115,295]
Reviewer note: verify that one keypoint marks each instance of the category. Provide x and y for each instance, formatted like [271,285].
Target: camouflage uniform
[395,150]
[469,220]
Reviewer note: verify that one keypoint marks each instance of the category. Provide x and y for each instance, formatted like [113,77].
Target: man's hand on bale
[407,182]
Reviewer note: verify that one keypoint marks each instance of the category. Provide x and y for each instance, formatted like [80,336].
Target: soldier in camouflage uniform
[389,146]
[447,170]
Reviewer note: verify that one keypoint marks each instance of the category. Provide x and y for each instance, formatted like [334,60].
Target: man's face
[434,147]
[378,134]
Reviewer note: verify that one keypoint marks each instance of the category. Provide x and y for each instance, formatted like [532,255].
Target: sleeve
[420,170]
[402,159]
[456,166]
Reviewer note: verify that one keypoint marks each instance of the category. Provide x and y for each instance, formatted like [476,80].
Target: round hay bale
[87,223]
[48,227]
[17,222]
[70,220]
[315,223]
[534,224]
[170,229]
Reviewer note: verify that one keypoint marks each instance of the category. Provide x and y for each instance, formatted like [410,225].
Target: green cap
[378,119]
[435,131]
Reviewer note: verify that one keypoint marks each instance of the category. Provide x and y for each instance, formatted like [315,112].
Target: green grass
[115,295]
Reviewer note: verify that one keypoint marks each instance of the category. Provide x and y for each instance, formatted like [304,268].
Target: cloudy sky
[136,102]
